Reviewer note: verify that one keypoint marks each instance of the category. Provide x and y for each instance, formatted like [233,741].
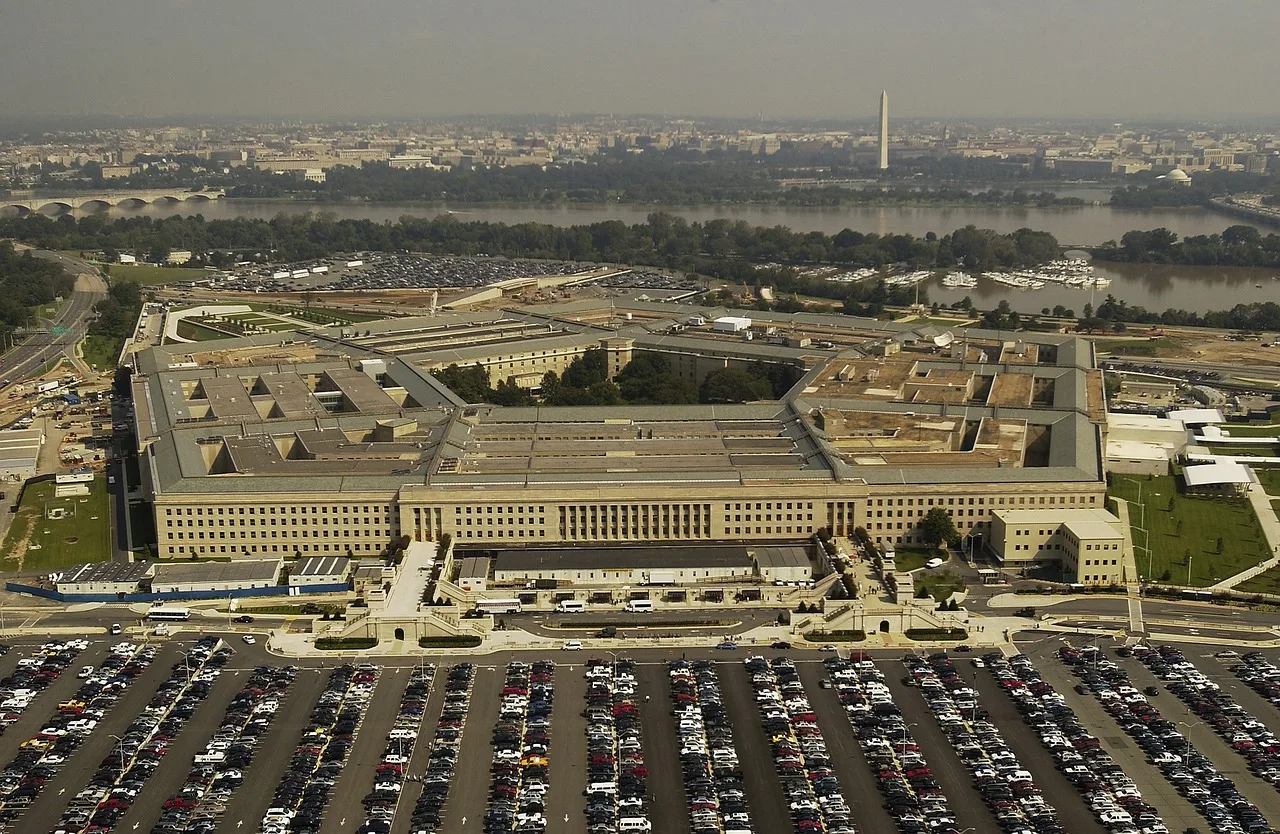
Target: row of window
[283,534]
[344,509]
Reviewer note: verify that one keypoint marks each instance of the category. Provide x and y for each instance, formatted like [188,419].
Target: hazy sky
[785,58]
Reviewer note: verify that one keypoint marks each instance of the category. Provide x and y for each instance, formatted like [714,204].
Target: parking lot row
[218,770]
[302,795]
[32,676]
[911,793]
[1077,753]
[709,760]
[1243,732]
[443,759]
[1191,773]
[1006,786]
[40,757]
[125,770]
[521,742]
[616,773]
[389,775]
[800,756]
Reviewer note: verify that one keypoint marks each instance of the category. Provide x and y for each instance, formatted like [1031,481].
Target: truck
[660,577]
[46,387]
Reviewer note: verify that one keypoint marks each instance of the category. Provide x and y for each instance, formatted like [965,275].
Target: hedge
[936,634]
[345,643]
[460,641]
[838,636]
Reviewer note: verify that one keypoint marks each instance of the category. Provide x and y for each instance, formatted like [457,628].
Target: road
[40,349]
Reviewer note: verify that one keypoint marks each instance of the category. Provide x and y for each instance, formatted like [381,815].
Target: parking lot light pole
[905,728]
[120,746]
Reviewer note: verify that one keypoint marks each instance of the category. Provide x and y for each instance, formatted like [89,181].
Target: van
[610,788]
[639,606]
[634,824]
[571,606]
[572,645]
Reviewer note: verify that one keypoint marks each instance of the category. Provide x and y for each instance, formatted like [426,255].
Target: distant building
[308,174]
[178,256]
[118,172]
[126,259]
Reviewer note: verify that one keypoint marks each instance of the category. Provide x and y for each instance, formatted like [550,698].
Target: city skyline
[154,58]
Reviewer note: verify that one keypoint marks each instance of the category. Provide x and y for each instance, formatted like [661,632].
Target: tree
[937,527]
[730,385]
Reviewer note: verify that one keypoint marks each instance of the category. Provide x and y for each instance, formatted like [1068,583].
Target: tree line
[731,250]
[27,282]
[674,176]
[1238,245]
[646,380]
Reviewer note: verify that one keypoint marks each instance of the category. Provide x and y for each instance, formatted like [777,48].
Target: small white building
[473,573]
[126,259]
[320,570]
[731,324]
[178,256]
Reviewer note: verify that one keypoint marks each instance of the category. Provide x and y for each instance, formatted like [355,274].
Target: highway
[39,349]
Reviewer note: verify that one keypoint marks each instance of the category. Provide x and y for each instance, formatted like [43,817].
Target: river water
[1152,286]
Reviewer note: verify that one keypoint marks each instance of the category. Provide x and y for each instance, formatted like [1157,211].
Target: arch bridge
[25,204]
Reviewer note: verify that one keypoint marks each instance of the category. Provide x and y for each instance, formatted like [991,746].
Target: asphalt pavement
[469,793]
[43,814]
[765,799]
[345,812]
[171,775]
[273,754]
[951,773]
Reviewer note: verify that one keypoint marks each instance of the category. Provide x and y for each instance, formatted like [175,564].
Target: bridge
[26,203]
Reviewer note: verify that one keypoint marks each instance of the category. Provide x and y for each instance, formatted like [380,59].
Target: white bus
[161,612]
[498,606]
[639,606]
[571,606]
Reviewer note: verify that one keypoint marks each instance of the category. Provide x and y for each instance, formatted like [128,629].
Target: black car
[243,618]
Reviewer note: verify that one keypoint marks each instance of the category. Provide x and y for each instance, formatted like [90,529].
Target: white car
[572,645]
[933,563]
[250,639]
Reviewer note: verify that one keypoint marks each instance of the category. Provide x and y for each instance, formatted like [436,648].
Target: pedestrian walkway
[1270,531]
[1132,579]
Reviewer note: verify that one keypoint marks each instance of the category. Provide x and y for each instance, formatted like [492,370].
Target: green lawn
[1270,480]
[37,543]
[1252,429]
[152,275]
[101,351]
[195,331]
[940,585]
[1267,582]
[909,558]
[1190,532]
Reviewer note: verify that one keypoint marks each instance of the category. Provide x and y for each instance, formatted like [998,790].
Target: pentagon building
[340,440]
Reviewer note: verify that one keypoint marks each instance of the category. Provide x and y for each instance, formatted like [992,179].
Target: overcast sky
[784,58]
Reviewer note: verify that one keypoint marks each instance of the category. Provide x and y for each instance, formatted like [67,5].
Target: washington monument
[884,129]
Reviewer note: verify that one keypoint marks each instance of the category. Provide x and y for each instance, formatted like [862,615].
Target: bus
[498,606]
[161,612]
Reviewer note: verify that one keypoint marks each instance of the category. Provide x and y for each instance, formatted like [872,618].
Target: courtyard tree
[938,527]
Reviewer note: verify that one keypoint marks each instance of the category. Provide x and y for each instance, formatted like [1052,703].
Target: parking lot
[221,738]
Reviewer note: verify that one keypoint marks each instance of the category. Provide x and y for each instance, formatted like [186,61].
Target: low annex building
[241,574]
[1088,543]
[333,442]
